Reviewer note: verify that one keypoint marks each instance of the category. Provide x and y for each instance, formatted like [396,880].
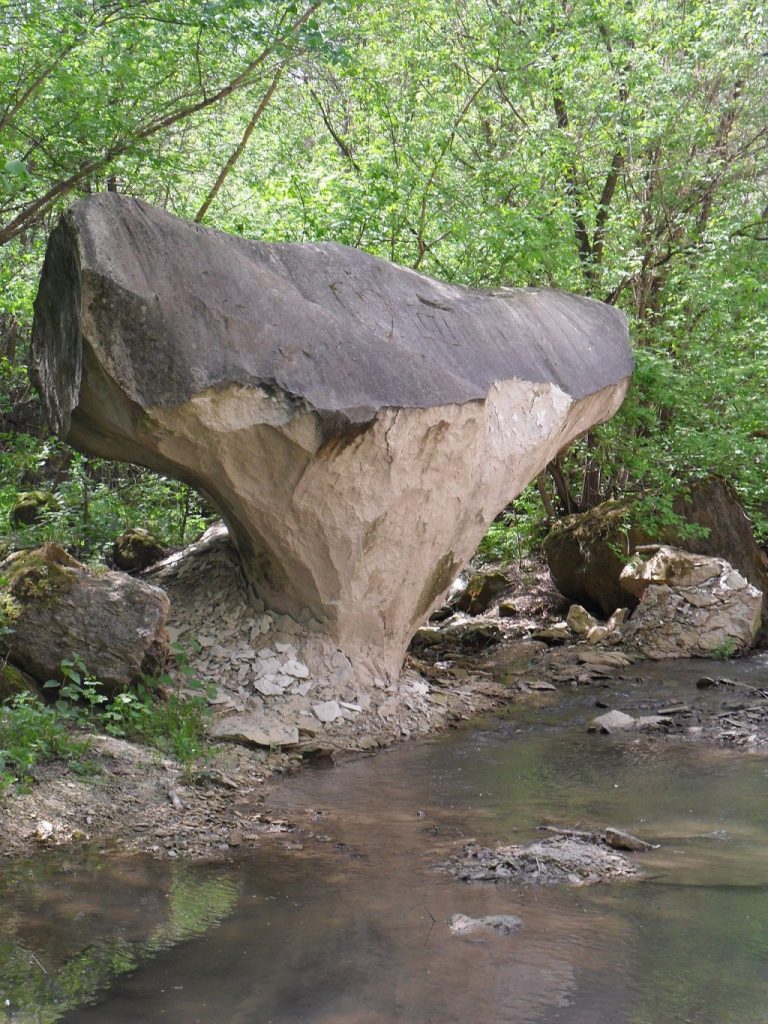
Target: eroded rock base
[282,683]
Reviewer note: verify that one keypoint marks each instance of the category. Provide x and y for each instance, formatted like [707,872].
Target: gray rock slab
[295,668]
[267,687]
[255,729]
[612,721]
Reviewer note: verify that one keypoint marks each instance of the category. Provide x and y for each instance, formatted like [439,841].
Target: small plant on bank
[158,711]
[32,733]
[727,649]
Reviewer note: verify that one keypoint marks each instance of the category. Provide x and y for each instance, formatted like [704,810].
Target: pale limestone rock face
[357,424]
[690,605]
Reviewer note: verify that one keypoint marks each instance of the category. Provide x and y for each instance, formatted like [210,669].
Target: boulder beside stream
[53,607]
[690,606]
[587,551]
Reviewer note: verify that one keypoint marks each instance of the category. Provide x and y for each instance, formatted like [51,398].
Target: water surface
[355,929]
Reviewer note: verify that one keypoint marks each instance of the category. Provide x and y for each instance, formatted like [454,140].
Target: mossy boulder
[137,549]
[586,553]
[52,607]
[30,507]
[13,682]
[481,591]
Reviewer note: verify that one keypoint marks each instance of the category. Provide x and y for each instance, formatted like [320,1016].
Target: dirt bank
[134,798]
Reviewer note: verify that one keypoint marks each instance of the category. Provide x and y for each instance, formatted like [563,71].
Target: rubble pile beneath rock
[279,681]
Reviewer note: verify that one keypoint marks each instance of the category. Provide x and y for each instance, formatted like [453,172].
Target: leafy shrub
[32,733]
[158,711]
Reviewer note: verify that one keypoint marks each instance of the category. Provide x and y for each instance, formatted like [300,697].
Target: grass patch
[158,712]
[32,733]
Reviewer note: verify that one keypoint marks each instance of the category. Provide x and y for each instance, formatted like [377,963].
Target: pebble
[295,668]
[327,711]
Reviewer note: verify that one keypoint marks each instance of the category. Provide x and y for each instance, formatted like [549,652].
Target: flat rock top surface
[177,309]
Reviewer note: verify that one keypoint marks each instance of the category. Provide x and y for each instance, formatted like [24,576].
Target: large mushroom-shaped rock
[357,424]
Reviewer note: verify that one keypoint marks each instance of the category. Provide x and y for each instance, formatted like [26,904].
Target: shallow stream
[353,929]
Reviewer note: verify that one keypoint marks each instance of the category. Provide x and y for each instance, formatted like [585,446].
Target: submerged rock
[612,721]
[55,608]
[357,424]
[501,924]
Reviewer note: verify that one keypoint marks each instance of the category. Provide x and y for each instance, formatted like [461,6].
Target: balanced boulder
[357,424]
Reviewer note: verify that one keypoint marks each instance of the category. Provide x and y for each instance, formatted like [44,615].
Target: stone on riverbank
[587,551]
[690,606]
[55,608]
[357,424]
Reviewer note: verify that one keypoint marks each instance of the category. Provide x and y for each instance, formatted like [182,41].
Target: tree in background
[614,149]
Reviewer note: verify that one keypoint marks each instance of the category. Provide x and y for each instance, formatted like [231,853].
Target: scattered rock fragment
[501,924]
[559,633]
[327,711]
[254,729]
[597,633]
[579,620]
[613,721]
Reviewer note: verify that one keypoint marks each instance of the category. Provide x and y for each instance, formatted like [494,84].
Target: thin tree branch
[61,188]
[237,152]
[342,145]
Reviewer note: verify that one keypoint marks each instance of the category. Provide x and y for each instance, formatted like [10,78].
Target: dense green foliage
[613,149]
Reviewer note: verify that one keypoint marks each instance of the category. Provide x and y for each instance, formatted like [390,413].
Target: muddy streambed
[352,925]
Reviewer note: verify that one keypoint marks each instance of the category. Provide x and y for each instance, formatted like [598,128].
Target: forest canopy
[617,150]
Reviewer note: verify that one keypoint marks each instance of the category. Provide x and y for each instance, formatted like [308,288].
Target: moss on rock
[13,681]
[136,549]
[30,507]
[37,574]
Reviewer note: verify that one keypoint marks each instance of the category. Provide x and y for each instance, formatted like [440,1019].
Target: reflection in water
[70,928]
[357,934]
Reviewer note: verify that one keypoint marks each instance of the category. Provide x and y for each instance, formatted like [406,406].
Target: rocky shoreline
[133,798]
